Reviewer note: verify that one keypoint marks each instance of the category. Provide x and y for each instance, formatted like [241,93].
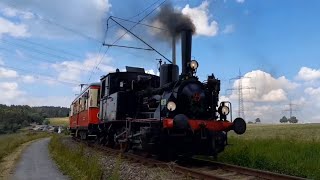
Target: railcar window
[80,105]
[93,98]
[71,110]
[85,103]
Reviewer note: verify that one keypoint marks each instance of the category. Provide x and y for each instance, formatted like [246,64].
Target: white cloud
[76,89]
[28,79]
[87,17]
[9,91]
[7,73]
[228,29]
[240,1]
[201,18]
[151,71]
[308,74]
[76,70]
[13,29]
[267,88]
[270,101]
[124,35]
[312,91]
[63,101]
[11,12]
[274,96]
[312,103]
[12,94]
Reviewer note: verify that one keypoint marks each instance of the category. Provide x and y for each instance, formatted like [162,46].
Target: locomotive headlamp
[225,110]
[171,106]
[194,64]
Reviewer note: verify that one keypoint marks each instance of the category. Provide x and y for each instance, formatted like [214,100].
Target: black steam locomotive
[168,115]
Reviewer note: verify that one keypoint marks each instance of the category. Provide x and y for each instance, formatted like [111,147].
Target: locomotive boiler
[171,115]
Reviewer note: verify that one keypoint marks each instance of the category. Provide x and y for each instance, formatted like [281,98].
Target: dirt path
[36,163]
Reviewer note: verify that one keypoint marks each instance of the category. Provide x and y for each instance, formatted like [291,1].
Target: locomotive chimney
[174,49]
[186,44]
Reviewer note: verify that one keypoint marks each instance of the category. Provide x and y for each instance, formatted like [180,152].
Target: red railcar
[84,111]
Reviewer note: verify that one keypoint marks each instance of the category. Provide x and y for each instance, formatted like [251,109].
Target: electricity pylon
[240,89]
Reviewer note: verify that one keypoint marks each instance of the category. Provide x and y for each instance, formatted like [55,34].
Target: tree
[293,119]
[46,122]
[258,120]
[15,117]
[284,119]
[250,122]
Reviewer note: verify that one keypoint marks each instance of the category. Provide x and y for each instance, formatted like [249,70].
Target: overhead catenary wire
[105,35]
[143,11]
[39,17]
[129,47]
[108,47]
[49,48]
[46,60]
[129,31]
[42,76]
[33,49]
[143,24]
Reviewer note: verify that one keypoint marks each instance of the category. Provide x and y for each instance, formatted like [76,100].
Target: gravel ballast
[115,167]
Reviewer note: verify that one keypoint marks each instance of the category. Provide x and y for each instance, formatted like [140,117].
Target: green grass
[287,149]
[64,121]
[116,170]
[9,142]
[73,161]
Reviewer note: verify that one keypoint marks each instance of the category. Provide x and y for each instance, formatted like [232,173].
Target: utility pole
[240,89]
[291,109]
[81,86]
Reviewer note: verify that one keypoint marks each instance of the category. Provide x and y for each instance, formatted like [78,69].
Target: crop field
[59,121]
[289,149]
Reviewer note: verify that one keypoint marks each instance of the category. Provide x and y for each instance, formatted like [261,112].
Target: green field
[64,121]
[288,149]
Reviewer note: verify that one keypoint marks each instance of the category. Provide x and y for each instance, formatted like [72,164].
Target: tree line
[15,117]
[292,119]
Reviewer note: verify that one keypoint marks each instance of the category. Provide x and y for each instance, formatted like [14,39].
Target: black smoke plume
[174,21]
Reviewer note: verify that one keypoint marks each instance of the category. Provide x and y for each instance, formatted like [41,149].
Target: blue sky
[47,48]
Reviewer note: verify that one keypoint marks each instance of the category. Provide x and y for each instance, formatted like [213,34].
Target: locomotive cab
[118,93]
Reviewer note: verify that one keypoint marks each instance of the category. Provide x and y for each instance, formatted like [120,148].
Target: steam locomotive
[169,115]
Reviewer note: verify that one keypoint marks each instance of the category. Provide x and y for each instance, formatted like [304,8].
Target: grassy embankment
[73,161]
[288,149]
[8,143]
[11,147]
[64,121]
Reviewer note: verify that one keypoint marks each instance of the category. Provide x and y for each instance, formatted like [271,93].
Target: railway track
[198,169]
